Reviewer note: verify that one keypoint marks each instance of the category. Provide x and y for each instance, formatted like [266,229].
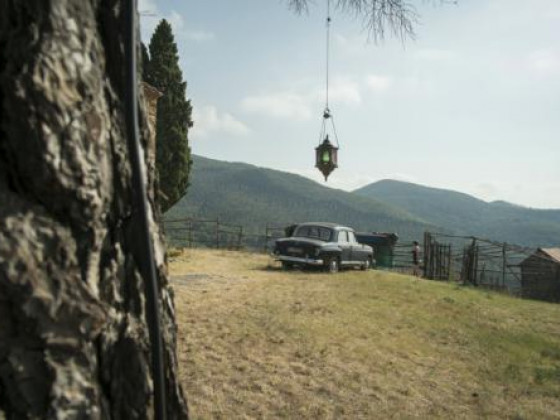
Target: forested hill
[468,215]
[243,194]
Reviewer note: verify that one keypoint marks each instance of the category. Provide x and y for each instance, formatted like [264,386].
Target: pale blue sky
[473,104]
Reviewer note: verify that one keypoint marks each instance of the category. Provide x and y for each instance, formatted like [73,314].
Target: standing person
[415,258]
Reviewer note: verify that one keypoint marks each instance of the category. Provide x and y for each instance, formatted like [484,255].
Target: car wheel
[366,265]
[333,265]
[287,265]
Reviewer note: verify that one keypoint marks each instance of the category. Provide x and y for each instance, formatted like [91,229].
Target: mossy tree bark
[73,336]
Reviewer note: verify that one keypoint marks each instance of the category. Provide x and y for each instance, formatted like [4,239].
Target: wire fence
[196,233]
[469,260]
[482,262]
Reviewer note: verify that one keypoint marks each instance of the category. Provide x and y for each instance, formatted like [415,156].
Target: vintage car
[326,245]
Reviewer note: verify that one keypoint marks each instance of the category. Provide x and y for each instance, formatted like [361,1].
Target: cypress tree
[174,117]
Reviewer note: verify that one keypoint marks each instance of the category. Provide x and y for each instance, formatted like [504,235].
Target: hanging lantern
[326,154]
[326,157]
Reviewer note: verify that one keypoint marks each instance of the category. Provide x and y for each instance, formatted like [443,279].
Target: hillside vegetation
[468,215]
[257,342]
[253,197]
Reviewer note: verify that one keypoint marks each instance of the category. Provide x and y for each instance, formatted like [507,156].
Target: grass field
[258,342]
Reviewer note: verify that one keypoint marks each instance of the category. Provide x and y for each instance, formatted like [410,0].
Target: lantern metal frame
[326,157]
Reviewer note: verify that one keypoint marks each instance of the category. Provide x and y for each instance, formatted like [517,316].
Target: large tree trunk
[73,335]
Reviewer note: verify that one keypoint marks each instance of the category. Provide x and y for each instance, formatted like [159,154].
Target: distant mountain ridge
[465,214]
[251,196]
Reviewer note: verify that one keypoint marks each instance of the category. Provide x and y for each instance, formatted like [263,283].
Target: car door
[358,254]
[345,247]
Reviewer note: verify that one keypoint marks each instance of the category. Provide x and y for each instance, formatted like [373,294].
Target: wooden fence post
[441,261]
[464,266]
[470,263]
[439,258]
[504,264]
[426,253]
[217,233]
[475,264]
[240,237]
[433,248]
[266,239]
[449,262]
[435,255]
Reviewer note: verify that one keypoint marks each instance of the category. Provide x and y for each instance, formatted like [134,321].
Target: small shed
[383,245]
[540,275]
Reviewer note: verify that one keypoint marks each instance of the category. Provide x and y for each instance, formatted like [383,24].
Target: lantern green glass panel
[326,157]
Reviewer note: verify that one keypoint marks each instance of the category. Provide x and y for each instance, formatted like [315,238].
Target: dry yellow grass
[257,342]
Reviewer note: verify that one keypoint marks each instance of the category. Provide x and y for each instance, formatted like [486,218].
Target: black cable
[328,51]
[145,253]
[327,114]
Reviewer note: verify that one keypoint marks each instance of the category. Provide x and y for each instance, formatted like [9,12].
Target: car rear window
[314,232]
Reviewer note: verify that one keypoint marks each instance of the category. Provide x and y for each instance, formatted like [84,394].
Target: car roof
[334,226]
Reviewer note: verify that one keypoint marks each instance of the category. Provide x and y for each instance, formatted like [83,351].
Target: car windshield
[314,232]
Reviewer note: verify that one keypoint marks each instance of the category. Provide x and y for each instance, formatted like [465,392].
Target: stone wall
[151,96]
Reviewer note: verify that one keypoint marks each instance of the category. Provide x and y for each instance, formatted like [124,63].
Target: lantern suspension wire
[327,115]
[328,54]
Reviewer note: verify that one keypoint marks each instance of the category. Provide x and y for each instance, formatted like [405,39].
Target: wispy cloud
[181,30]
[177,22]
[377,83]
[545,61]
[147,6]
[208,120]
[345,91]
[302,105]
[279,105]
[150,17]
[434,54]
[200,36]
[355,45]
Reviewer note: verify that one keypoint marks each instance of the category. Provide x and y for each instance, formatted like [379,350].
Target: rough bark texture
[73,335]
